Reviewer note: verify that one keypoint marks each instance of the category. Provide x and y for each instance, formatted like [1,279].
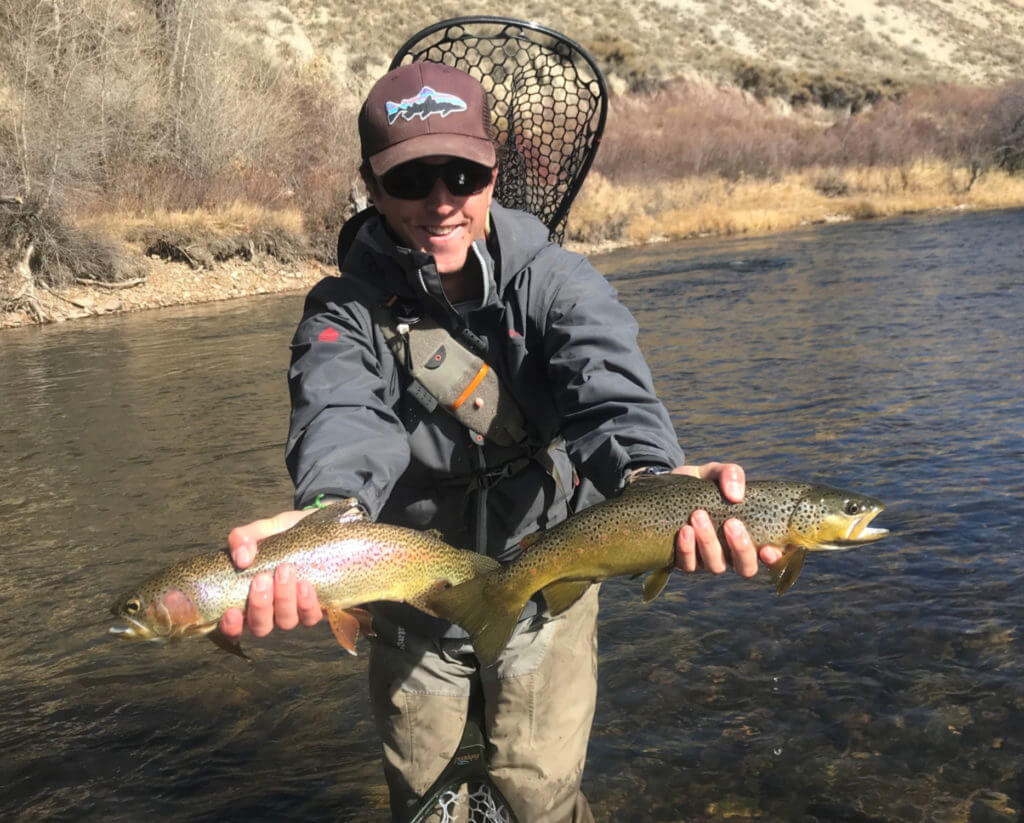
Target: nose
[440,197]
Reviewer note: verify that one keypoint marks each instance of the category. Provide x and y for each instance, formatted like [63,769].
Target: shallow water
[884,357]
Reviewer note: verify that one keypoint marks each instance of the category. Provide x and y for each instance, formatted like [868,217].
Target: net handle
[562,212]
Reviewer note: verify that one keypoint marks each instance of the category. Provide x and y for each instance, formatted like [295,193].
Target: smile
[441,231]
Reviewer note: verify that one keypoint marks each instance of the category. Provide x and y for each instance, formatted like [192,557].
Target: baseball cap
[421,109]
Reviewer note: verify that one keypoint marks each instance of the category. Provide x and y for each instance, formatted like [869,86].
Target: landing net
[548,102]
[478,805]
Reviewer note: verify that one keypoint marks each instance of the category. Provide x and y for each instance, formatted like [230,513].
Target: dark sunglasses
[415,180]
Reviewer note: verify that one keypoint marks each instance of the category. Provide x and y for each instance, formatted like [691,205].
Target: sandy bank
[172,284]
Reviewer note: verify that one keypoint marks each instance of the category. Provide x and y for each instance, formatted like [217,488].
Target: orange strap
[480,375]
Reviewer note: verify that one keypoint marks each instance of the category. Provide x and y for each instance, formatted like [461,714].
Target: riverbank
[166,283]
[607,215]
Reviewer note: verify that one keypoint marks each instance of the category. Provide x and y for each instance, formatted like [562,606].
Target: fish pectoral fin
[787,568]
[655,582]
[561,595]
[345,625]
[228,644]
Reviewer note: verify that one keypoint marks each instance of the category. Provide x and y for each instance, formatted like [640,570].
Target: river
[888,685]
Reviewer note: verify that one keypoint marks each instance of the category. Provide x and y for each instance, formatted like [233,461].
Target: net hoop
[549,104]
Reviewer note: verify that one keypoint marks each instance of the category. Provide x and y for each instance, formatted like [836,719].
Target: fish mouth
[135,630]
[857,533]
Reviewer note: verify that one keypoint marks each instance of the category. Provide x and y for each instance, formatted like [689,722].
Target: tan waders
[539,704]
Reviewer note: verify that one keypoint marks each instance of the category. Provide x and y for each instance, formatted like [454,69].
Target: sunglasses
[415,180]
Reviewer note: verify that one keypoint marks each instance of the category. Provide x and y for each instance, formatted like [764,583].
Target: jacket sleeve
[611,419]
[344,438]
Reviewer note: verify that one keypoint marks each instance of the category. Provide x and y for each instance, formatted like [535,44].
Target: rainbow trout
[349,559]
[635,533]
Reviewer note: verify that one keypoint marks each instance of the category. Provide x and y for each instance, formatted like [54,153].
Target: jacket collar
[375,257]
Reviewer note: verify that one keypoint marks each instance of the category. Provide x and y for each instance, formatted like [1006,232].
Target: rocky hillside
[744,42]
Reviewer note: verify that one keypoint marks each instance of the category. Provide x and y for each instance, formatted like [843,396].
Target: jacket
[557,337]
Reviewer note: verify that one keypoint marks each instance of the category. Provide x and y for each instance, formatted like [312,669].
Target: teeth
[439,231]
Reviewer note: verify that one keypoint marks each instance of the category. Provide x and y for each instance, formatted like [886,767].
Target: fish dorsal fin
[561,595]
[338,511]
[787,568]
[655,582]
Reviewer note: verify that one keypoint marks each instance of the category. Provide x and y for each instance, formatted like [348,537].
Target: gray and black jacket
[558,339]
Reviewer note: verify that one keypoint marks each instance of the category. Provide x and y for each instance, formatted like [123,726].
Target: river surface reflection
[884,357]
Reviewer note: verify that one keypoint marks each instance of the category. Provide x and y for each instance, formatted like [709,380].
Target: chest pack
[448,374]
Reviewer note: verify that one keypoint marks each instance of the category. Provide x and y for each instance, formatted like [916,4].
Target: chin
[448,263]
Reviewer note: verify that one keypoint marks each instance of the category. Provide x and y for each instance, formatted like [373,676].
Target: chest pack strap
[445,373]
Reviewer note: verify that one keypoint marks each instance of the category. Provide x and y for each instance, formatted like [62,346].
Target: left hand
[697,542]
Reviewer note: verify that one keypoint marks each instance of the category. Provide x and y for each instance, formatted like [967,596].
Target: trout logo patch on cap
[397,122]
[424,104]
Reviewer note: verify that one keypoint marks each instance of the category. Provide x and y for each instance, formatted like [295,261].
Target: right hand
[273,601]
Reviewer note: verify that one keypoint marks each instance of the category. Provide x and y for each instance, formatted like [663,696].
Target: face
[441,224]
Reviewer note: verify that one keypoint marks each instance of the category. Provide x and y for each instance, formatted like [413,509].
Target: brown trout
[349,559]
[635,533]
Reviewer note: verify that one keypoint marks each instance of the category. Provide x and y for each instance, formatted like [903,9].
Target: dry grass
[711,205]
[202,237]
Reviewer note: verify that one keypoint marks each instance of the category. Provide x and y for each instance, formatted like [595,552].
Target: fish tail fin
[485,614]
[787,568]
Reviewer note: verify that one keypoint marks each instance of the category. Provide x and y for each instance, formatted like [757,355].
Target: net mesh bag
[548,104]
[476,803]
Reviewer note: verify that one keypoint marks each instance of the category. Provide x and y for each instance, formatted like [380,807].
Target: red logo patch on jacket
[329,335]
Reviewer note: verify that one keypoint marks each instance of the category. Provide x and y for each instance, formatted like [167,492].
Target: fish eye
[852,507]
[133,605]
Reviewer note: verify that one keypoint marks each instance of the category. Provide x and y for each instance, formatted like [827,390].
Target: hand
[273,601]
[697,542]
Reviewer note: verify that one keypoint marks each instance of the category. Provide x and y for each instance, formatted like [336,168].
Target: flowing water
[885,357]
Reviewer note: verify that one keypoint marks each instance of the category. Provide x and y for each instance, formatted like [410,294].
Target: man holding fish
[466,375]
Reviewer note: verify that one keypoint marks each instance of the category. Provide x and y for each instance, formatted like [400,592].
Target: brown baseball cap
[421,109]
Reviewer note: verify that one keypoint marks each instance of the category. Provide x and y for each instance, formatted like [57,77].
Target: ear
[372,190]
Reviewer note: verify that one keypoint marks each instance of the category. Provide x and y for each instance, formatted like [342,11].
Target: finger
[241,547]
[259,614]
[686,549]
[242,540]
[730,478]
[708,546]
[286,615]
[770,554]
[308,604]
[742,550]
[231,623]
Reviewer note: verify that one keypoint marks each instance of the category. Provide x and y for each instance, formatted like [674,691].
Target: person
[565,352]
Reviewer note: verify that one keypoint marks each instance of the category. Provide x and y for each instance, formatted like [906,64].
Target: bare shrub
[61,253]
[1004,133]
[141,107]
[689,129]
[832,185]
